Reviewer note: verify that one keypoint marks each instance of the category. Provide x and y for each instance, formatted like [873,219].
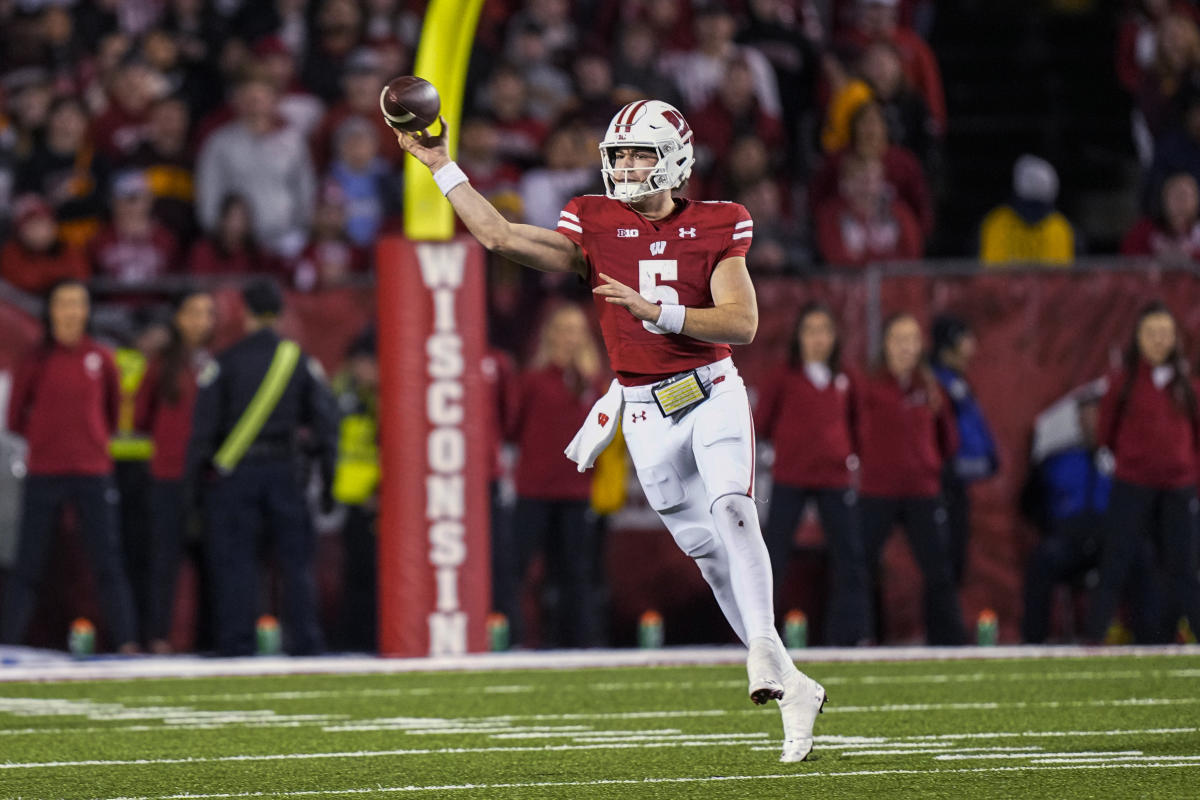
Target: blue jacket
[976,457]
[1073,485]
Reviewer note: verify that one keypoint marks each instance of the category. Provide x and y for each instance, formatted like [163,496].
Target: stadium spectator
[552,20]
[290,20]
[746,162]
[786,36]
[569,169]
[734,112]
[1028,228]
[479,156]
[869,140]
[1066,495]
[877,21]
[299,108]
[165,401]
[636,71]
[780,243]
[338,28]
[1150,422]
[267,161]
[29,94]
[65,169]
[906,434]
[529,50]
[64,403]
[698,71]
[371,192]
[1137,37]
[806,410]
[909,123]
[167,161]
[134,248]
[247,473]
[1177,150]
[35,257]
[121,127]
[864,223]
[356,487]
[592,102]
[954,348]
[230,249]
[359,97]
[551,517]
[330,258]
[1173,234]
[506,98]
[1176,68]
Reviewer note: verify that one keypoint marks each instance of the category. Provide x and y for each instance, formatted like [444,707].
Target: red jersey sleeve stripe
[571,226]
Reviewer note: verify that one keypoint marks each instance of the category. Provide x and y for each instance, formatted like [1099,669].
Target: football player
[672,291]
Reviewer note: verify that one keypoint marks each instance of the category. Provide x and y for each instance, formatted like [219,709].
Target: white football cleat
[803,699]
[763,672]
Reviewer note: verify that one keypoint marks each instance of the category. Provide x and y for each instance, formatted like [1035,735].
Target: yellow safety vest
[128,444]
[1005,238]
[356,475]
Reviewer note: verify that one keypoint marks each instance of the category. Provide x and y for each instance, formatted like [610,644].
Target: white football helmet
[653,125]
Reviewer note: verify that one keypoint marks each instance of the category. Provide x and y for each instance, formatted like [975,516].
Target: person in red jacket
[64,403]
[1150,421]
[553,500]
[906,432]
[164,411]
[36,257]
[806,410]
[865,223]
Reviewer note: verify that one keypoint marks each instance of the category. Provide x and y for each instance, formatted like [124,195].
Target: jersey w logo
[685,233]
[658,248]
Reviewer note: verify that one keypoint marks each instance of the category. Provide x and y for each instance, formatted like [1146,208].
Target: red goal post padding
[434,581]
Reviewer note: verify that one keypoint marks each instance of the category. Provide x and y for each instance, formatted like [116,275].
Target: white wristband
[671,317]
[449,176]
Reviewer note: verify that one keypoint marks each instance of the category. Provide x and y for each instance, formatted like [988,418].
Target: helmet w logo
[657,248]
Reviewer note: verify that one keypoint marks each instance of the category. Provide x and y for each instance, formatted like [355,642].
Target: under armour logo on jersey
[602,418]
[627,233]
[634,416]
[658,248]
[687,233]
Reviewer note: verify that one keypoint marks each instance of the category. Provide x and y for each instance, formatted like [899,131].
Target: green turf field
[1105,727]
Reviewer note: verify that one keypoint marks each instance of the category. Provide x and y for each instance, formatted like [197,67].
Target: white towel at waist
[598,428]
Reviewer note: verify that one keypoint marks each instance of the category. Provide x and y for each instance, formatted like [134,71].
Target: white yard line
[647,781]
[53,667]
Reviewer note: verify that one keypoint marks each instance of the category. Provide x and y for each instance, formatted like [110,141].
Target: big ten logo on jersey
[627,233]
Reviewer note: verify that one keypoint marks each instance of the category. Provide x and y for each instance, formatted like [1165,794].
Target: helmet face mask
[654,126]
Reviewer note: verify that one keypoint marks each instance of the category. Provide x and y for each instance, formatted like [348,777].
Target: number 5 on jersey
[650,272]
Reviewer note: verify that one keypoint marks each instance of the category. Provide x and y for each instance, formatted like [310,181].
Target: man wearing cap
[1028,228]
[254,401]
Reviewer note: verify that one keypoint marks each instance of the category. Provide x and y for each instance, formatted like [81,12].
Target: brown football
[409,103]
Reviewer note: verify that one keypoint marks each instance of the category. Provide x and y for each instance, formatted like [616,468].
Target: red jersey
[1153,440]
[903,442]
[670,260]
[811,427]
[64,403]
[551,403]
[169,424]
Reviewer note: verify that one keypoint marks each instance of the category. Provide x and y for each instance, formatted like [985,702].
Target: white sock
[714,566]
[736,521]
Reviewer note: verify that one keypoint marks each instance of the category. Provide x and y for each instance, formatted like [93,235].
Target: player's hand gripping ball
[410,103]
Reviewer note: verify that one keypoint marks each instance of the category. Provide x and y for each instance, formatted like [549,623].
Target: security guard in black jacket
[256,400]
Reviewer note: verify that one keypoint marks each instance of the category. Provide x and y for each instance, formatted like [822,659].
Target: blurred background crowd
[150,149]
